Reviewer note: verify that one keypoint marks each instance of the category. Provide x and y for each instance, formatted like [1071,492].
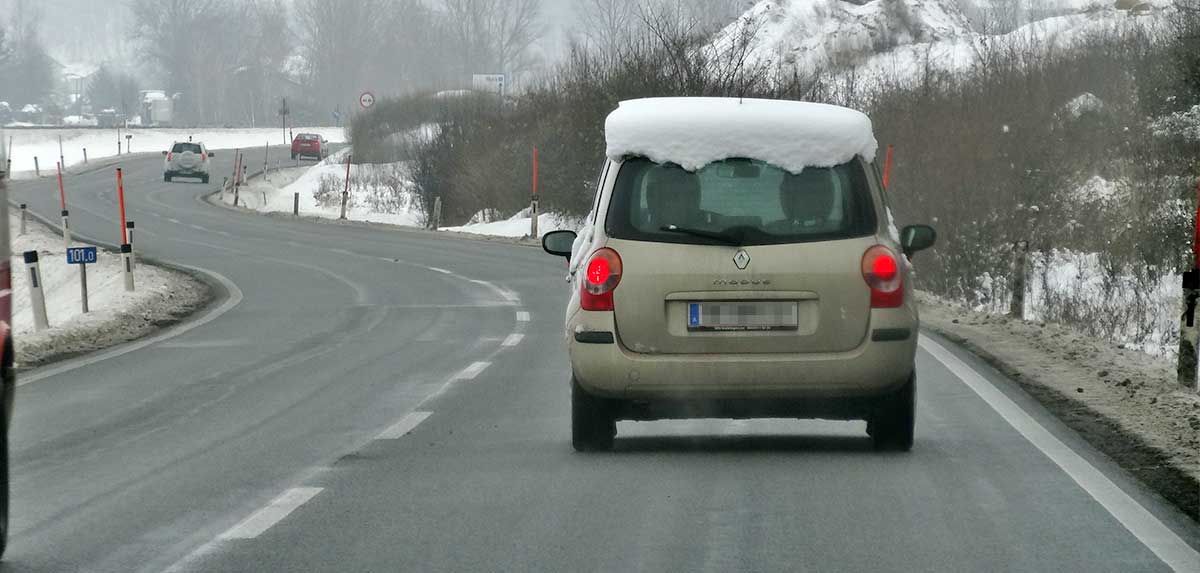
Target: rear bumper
[874,368]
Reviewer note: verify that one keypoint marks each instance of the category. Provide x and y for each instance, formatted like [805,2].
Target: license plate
[743,315]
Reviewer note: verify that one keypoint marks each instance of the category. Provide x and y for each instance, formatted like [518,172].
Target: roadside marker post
[887,168]
[82,256]
[346,192]
[24,217]
[36,297]
[1189,327]
[533,204]
[132,253]
[1016,306]
[61,159]
[37,169]
[296,204]
[62,200]
[121,201]
[127,262]
[85,156]
[437,212]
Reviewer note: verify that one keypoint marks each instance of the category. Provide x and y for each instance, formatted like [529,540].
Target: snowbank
[379,193]
[116,316]
[694,132]
[100,143]
[519,225]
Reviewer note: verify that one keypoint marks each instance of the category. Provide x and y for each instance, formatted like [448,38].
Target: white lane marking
[437,270]
[176,221]
[406,424]
[235,298]
[470,372]
[1156,536]
[197,227]
[231,343]
[513,339]
[273,513]
[522,316]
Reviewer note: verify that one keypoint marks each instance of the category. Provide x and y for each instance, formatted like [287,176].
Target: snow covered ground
[101,143]
[379,193]
[1075,287]
[899,40]
[115,316]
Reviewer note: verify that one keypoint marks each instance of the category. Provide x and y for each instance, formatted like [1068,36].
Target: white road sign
[366,100]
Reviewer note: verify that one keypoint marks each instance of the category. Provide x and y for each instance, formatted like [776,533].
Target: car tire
[204,179]
[167,177]
[893,421]
[593,426]
[293,157]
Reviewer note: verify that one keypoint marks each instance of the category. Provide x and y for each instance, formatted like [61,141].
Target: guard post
[129,233]
[127,263]
[37,297]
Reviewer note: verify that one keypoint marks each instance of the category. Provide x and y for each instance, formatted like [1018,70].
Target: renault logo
[741,259]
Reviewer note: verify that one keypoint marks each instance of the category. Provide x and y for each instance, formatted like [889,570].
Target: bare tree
[493,35]
[339,41]
[605,25]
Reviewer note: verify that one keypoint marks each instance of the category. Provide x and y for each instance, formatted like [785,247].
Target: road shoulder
[164,297]
[1124,402]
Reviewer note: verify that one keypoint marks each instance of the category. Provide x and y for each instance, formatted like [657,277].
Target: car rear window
[182,147]
[306,137]
[739,201]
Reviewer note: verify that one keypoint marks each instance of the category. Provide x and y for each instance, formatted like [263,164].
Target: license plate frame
[743,316]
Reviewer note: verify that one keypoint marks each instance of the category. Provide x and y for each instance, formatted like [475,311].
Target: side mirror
[559,243]
[212,154]
[914,238]
[164,153]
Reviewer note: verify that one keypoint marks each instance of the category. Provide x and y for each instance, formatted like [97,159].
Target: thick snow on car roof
[693,132]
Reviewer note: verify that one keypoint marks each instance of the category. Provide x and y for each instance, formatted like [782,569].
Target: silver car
[186,159]
[740,288]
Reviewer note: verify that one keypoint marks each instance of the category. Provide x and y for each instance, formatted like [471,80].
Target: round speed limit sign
[366,100]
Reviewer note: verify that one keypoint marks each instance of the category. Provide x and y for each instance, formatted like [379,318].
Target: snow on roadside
[379,193]
[102,143]
[115,316]
[519,225]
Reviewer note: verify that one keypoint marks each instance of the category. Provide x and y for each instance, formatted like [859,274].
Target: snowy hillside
[814,34]
[898,38]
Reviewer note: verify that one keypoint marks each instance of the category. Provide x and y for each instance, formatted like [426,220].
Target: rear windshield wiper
[719,237]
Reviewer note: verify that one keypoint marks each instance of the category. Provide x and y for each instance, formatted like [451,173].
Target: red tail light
[601,277]
[881,270]
[203,157]
[170,155]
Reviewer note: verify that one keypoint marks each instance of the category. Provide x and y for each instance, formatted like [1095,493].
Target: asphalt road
[365,399]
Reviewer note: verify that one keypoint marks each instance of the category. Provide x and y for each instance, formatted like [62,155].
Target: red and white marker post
[62,200]
[533,202]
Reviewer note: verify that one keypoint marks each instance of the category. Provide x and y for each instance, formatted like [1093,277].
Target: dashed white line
[1156,536]
[273,513]
[513,339]
[470,372]
[406,424]
[176,221]
[522,316]
[443,271]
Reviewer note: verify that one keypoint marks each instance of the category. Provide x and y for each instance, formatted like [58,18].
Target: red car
[310,145]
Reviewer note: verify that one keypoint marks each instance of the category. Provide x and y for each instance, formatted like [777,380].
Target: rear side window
[739,201]
[182,147]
